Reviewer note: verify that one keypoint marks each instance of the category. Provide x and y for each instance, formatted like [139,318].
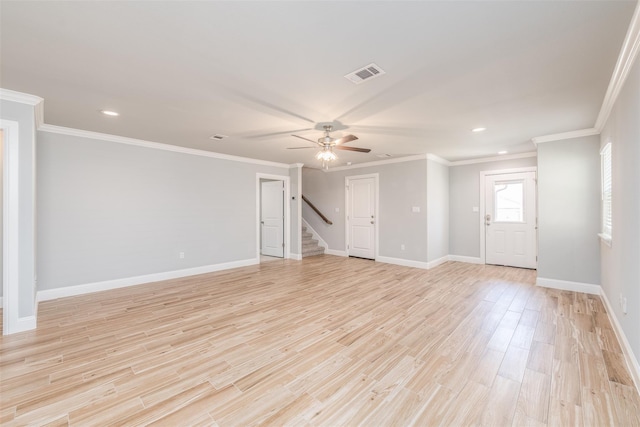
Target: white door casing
[272,218]
[361,215]
[509,219]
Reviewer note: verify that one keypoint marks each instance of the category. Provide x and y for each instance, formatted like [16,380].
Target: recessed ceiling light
[218,137]
[502,152]
[478,129]
[109,113]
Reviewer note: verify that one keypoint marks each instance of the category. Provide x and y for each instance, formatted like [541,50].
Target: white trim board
[403,262]
[565,135]
[377,163]
[49,294]
[626,58]
[20,97]
[483,175]
[566,285]
[154,145]
[631,359]
[336,252]
[287,211]
[467,259]
[494,159]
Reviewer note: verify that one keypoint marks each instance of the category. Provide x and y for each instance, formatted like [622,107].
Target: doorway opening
[361,201]
[273,223]
[509,218]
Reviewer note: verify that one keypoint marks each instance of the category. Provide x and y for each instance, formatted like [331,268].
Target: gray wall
[620,262]
[108,211]
[402,186]
[25,116]
[569,210]
[464,194]
[437,210]
[1,209]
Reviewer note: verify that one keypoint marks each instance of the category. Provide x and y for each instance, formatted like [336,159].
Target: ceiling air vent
[369,72]
[217,137]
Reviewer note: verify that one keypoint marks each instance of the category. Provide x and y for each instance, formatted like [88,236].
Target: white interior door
[510,219]
[272,218]
[361,217]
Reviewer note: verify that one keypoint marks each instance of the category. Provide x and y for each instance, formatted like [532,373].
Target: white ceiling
[179,72]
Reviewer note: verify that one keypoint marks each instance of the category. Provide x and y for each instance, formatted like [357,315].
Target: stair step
[313,253]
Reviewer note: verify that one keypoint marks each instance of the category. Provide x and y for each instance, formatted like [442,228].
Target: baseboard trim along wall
[566,285]
[437,262]
[467,259]
[632,361]
[69,291]
[403,262]
[335,252]
[295,256]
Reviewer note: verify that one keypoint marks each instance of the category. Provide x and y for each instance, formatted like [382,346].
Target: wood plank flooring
[324,341]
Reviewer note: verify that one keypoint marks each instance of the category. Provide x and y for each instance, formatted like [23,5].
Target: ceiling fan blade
[345,139]
[298,148]
[359,150]
[306,139]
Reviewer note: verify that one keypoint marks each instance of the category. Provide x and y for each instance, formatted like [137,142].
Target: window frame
[606,193]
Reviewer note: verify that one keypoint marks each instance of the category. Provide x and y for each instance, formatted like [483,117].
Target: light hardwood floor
[324,341]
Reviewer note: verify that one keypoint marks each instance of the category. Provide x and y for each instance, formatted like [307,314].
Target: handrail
[324,218]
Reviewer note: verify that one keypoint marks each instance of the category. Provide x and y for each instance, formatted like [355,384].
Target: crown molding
[494,159]
[154,145]
[27,99]
[438,159]
[565,135]
[626,58]
[296,165]
[378,163]
[22,98]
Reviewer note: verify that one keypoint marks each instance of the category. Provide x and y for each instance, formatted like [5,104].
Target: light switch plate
[476,209]
[415,209]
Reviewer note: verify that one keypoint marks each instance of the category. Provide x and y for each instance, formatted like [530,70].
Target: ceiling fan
[327,144]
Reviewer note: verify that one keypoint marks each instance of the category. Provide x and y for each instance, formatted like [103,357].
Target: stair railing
[324,218]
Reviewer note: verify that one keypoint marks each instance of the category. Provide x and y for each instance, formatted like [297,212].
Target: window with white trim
[605,160]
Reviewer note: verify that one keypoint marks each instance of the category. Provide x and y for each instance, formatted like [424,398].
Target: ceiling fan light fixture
[326,156]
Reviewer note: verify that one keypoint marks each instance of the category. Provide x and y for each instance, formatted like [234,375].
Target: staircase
[310,246]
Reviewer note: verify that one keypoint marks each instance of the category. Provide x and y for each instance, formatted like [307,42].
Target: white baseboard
[632,361]
[467,259]
[566,285]
[1,302]
[437,262]
[316,236]
[49,294]
[293,255]
[22,324]
[335,252]
[403,262]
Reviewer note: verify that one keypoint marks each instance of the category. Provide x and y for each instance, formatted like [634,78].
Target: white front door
[361,217]
[510,219]
[272,218]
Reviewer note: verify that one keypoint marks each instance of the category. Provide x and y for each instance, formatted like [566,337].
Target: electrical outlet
[181,255]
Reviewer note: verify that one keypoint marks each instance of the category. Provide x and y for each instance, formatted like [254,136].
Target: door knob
[262,222]
[371,222]
[488,219]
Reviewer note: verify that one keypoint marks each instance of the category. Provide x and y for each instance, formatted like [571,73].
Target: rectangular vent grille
[217,137]
[369,72]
